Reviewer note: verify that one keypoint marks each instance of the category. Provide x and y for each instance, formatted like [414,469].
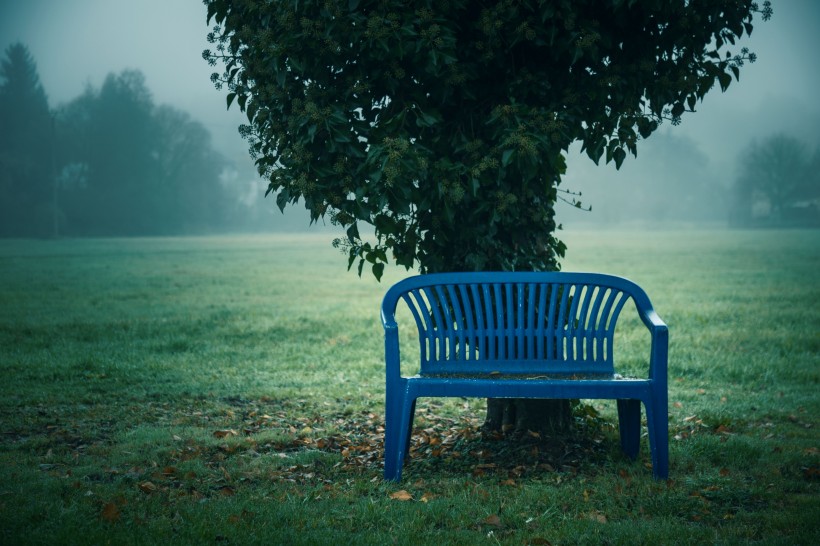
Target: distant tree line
[778,184]
[110,162]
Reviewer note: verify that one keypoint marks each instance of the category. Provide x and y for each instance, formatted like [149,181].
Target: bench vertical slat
[583,352]
[575,326]
[552,352]
[559,324]
[592,328]
[469,333]
[542,321]
[510,320]
[481,323]
[520,327]
[498,333]
[530,326]
[603,328]
[437,331]
[410,299]
[445,327]
[458,324]
[489,347]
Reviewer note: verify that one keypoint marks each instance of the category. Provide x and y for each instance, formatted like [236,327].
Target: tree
[444,125]
[188,170]
[26,175]
[147,169]
[776,174]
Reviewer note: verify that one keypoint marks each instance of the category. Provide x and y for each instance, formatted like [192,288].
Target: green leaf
[353,233]
[691,101]
[230,98]
[378,270]
[724,79]
[506,157]
[619,155]
[282,199]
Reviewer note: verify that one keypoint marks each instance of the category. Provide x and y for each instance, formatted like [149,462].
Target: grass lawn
[230,391]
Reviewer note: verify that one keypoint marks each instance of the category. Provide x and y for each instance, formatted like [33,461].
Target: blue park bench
[522,335]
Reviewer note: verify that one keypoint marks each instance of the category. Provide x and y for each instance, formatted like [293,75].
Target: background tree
[148,169]
[777,174]
[444,125]
[26,177]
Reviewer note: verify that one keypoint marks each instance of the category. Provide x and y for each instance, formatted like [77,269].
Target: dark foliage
[444,125]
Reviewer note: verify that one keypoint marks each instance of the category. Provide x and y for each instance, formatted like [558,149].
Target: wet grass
[230,391]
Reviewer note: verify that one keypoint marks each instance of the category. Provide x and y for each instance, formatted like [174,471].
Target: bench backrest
[522,322]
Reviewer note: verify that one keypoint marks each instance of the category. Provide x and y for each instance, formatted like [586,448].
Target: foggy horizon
[78,44]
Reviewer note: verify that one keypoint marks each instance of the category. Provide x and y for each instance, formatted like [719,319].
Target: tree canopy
[444,125]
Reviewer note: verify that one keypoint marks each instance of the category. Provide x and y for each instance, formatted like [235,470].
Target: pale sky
[77,42]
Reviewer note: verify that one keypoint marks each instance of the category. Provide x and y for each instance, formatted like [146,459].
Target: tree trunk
[522,415]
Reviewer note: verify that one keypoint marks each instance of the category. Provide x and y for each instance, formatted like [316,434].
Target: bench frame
[522,335]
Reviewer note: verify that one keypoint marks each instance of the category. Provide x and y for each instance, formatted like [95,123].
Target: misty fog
[683,176]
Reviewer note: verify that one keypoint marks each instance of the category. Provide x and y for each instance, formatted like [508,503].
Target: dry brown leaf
[147,487]
[493,520]
[110,512]
[597,516]
[401,495]
[225,433]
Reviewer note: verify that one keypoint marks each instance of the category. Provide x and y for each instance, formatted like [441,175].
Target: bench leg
[392,425]
[398,425]
[629,424]
[657,423]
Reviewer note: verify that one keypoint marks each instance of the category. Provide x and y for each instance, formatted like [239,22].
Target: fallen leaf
[110,512]
[597,516]
[493,520]
[724,472]
[147,487]
[401,495]
[225,433]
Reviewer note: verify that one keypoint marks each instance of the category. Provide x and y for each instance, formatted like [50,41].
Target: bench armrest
[391,351]
[659,352]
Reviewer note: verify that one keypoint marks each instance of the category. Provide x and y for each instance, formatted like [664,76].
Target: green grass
[230,391]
